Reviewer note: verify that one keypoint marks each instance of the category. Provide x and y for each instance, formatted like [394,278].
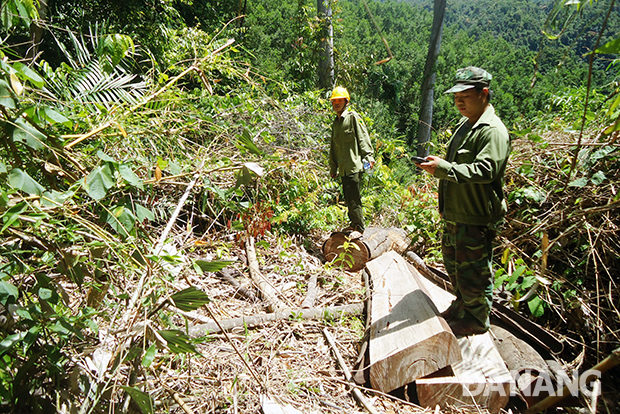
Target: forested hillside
[156,154]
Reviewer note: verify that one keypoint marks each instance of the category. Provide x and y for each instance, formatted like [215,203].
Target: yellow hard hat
[340,92]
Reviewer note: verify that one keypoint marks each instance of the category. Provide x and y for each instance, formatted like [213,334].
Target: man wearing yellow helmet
[350,149]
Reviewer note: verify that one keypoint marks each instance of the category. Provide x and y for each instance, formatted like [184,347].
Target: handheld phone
[418,160]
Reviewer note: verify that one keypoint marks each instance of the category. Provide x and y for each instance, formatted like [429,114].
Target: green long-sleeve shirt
[350,144]
[470,190]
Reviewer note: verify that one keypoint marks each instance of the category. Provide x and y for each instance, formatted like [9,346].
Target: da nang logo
[542,385]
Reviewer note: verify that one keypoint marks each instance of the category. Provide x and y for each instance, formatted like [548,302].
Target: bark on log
[530,369]
[481,378]
[312,291]
[257,320]
[373,243]
[408,338]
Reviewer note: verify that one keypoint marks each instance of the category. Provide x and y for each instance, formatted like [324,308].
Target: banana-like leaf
[22,181]
[190,299]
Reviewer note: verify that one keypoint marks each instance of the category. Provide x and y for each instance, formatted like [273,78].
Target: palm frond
[84,79]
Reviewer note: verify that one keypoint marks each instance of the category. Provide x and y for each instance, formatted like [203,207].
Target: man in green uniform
[471,200]
[350,148]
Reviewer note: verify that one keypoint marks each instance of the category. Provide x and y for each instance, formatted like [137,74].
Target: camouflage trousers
[351,188]
[467,255]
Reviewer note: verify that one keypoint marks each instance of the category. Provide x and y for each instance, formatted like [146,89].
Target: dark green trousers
[468,255]
[352,195]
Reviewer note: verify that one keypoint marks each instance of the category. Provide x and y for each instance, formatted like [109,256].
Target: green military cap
[470,77]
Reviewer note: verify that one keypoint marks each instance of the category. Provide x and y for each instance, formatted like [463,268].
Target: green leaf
[611,47]
[22,181]
[143,213]
[536,306]
[105,157]
[11,340]
[245,143]
[129,176]
[28,74]
[55,198]
[142,399]
[29,135]
[149,356]
[189,299]
[515,275]
[12,215]
[177,341]
[580,182]
[115,47]
[213,266]
[122,220]
[45,293]
[8,294]
[598,178]
[6,95]
[2,168]
[99,181]
[54,117]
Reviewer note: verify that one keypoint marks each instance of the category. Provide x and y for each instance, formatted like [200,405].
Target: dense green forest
[145,143]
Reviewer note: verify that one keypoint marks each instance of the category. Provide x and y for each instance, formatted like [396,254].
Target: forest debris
[270,294]
[347,374]
[594,373]
[311,294]
[257,320]
[269,406]
[408,338]
[158,247]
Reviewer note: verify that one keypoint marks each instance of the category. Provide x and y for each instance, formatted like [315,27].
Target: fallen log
[532,373]
[373,243]
[481,378]
[258,320]
[408,338]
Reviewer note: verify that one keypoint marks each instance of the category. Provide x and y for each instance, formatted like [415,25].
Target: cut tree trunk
[529,367]
[373,243]
[408,339]
[481,378]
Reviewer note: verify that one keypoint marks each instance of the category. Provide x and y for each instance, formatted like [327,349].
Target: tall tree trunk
[36,31]
[326,61]
[428,81]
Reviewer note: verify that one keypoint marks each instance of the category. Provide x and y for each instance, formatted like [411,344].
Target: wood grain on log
[481,378]
[408,339]
[373,243]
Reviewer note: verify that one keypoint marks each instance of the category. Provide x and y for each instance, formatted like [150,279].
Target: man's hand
[430,165]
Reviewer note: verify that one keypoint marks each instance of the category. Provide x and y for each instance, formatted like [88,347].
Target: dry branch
[270,294]
[257,320]
[356,392]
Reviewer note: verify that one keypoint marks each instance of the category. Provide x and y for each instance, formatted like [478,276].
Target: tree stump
[373,243]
